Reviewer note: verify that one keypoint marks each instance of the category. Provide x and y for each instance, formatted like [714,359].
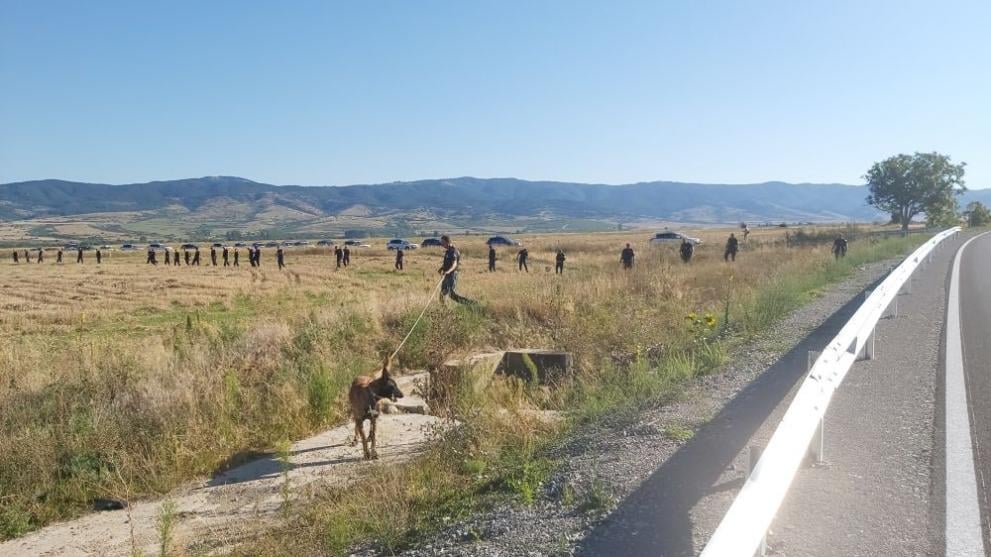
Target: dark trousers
[447,288]
[730,255]
[523,266]
[559,268]
[491,265]
[399,264]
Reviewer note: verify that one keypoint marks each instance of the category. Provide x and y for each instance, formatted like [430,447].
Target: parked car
[218,245]
[673,238]
[155,245]
[325,243]
[300,243]
[189,246]
[430,243]
[400,244]
[271,244]
[128,247]
[240,244]
[502,241]
[356,244]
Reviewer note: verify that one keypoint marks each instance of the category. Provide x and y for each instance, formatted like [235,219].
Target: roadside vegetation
[127,380]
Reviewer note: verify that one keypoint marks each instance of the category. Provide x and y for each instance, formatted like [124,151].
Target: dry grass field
[129,376]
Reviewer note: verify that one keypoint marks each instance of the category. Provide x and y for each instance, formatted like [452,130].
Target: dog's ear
[386,365]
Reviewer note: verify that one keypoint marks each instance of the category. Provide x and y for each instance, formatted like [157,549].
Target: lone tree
[977,214]
[907,185]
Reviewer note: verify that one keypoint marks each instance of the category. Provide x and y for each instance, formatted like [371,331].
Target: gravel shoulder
[659,484]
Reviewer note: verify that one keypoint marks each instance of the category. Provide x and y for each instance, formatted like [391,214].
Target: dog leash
[430,300]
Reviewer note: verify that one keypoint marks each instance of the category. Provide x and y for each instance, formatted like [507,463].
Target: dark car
[189,246]
[240,245]
[325,243]
[502,241]
[218,245]
[430,242]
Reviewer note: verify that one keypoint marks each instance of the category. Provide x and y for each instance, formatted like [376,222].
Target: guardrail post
[755,452]
[818,446]
[869,345]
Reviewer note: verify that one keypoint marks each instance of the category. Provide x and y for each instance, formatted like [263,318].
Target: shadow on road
[655,519]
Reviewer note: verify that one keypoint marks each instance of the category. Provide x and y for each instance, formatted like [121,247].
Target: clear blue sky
[327,92]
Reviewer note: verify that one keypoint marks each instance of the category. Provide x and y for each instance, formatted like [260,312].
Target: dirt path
[228,508]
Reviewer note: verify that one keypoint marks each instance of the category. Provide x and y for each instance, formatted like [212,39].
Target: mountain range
[223,205]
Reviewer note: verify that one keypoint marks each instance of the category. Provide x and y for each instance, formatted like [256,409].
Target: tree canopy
[977,214]
[909,185]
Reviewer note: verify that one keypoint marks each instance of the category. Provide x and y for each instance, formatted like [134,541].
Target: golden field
[150,376]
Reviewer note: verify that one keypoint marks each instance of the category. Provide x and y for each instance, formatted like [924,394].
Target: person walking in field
[687,250]
[27,256]
[152,258]
[41,255]
[168,256]
[227,257]
[626,257]
[213,256]
[186,256]
[258,256]
[16,258]
[732,246]
[99,256]
[79,256]
[347,256]
[449,269]
[237,257]
[196,257]
[839,247]
[521,257]
[492,259]
[339,255]
[400,254]
[559,262]
[280,258]
[58,256]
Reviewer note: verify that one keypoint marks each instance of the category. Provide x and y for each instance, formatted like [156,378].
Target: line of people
[15,255]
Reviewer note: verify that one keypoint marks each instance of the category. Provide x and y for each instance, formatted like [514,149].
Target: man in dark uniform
[339,254]
[168,256]
[347,256]
[227,257]
[79,256]
[687,251]
[41,255]
[175,259]
[839,247]
[152,259]
[626,257]
[16,260]
[400,254]
[559,262]
[258,256]
[58,256]
[449,268]
[732,246]
[280,258]
[196,257]
[237,257]
[27,256]
[492,259]
[521,257]
[185,255]
[213,256]
[99,256]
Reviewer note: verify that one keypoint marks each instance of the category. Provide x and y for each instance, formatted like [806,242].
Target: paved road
[975,332]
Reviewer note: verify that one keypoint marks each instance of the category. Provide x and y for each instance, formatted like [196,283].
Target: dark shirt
[627,254]
[451,257]
[492,254]
[560,257]
[732,243]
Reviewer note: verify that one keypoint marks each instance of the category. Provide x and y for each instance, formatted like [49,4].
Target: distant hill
[223,205]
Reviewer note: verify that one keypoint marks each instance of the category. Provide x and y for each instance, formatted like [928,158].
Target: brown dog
[364,395]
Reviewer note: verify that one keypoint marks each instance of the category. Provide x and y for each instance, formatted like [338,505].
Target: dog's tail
[387,365]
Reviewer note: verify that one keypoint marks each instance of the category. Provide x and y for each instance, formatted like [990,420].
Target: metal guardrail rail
[743,528]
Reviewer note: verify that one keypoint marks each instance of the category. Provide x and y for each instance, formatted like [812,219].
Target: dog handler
[452,259]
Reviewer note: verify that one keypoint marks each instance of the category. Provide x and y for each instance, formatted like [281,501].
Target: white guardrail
[748,519]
